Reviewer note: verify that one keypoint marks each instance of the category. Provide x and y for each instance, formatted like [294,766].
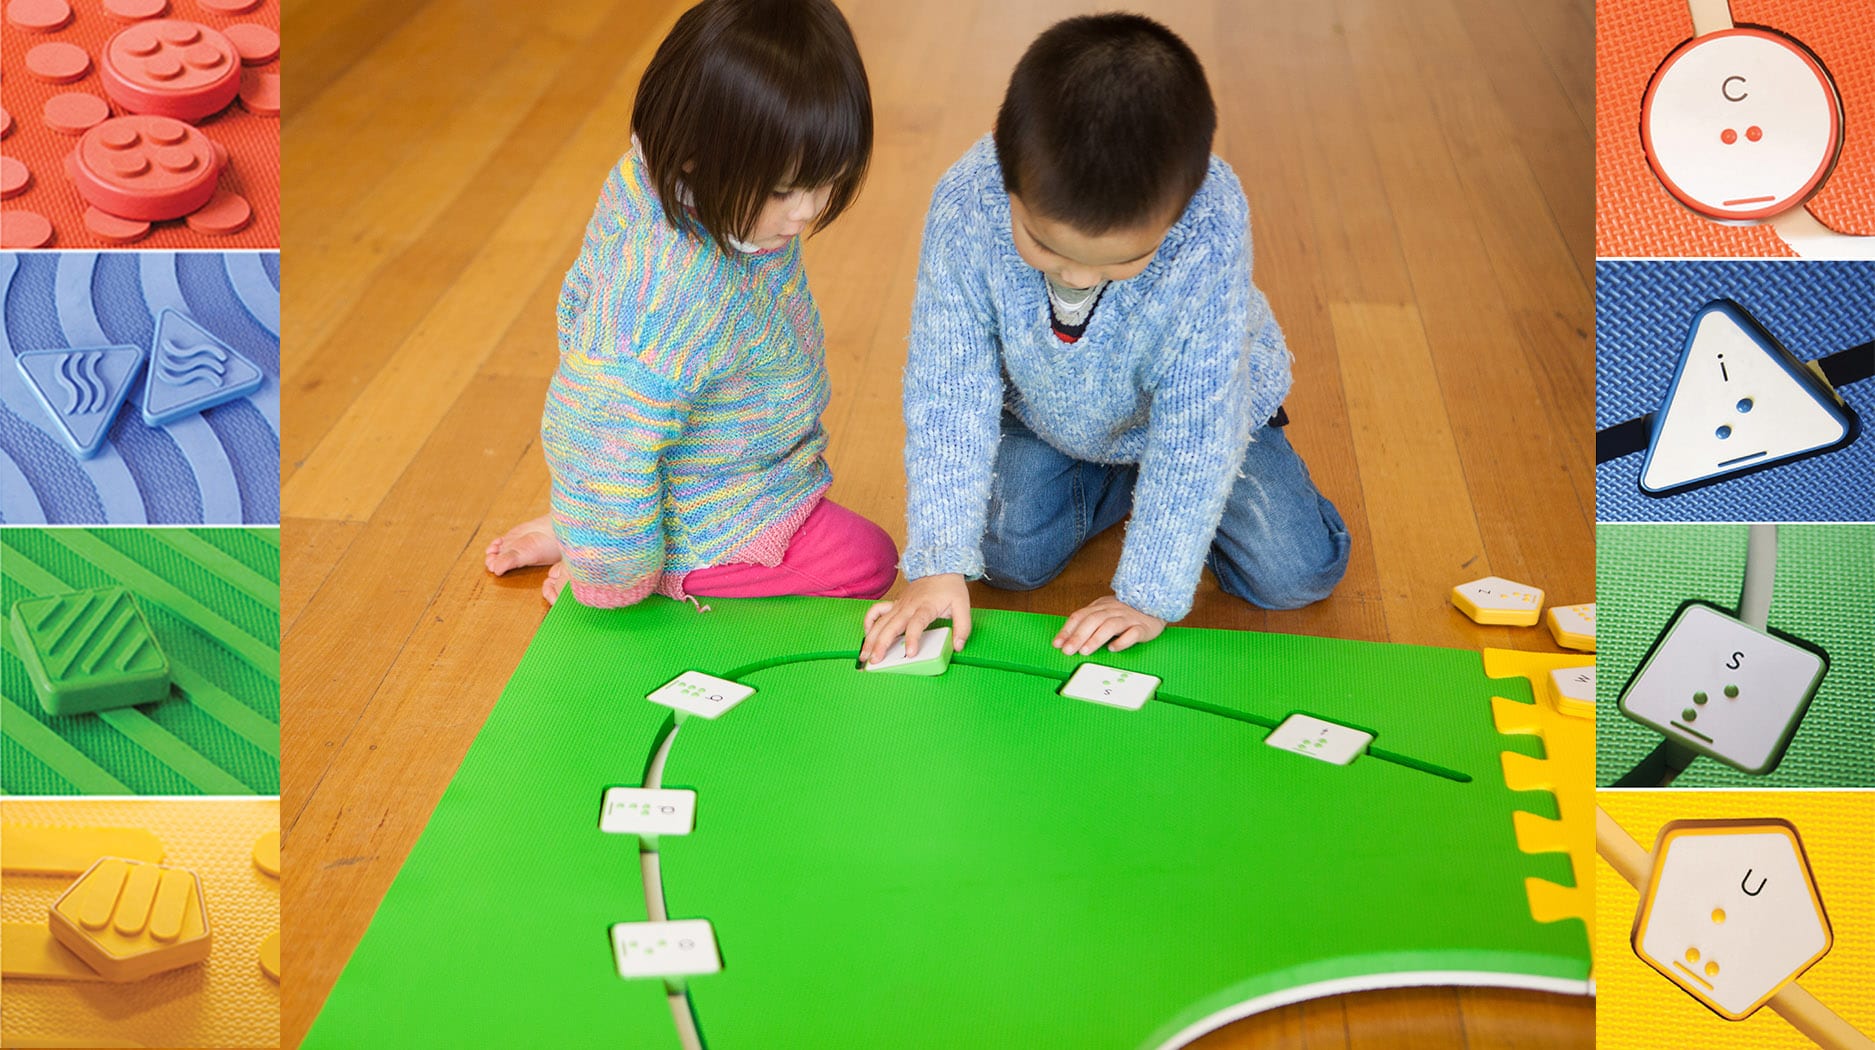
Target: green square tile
[89,651]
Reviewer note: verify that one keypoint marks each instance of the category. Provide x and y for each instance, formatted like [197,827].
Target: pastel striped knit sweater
[1177,368]
[683,425]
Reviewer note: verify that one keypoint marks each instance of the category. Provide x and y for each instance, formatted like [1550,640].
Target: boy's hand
[1107,618]
[925,599]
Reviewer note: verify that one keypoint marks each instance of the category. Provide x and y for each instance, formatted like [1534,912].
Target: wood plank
[309,548]
[331,36]
[400,276]
[1424,527]
[1525,465]
[353,465]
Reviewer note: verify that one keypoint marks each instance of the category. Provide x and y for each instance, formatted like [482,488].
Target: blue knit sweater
[1177,369]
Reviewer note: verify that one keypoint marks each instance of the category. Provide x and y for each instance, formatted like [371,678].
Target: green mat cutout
[969,860]
[1825,593]
[212,599]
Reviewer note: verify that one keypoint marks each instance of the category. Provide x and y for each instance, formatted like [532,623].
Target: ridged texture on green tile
[211,598]
[1825,593]
[1060,873]
[88,650]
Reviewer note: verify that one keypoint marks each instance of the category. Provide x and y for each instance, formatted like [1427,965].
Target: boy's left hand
[1106,619]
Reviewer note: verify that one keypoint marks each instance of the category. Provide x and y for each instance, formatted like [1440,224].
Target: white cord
[1710,16]
[1754,600]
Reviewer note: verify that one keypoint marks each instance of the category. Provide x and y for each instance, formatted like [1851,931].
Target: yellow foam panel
[1637,1009]
[1567,771]
[32,850]
[225,1001]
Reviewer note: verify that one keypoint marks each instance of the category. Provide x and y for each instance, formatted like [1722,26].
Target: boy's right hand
[925,599]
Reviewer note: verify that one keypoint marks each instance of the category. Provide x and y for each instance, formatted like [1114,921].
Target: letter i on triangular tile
[81,389]
[192,371]
[1739,401]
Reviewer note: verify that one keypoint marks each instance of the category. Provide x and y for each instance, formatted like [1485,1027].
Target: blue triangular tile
[81,389]
[192,371]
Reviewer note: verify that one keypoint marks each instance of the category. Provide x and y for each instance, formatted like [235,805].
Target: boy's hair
[748,96]
[1107,123]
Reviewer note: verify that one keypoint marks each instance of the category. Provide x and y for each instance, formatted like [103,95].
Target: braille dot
[1689,715]
[163,67]
[1700,697]
[1731,692]
[1744,404]
[1754,133]
[1718,915]
[1712,969]
[1728,136]
[1724,432]
[1692,955]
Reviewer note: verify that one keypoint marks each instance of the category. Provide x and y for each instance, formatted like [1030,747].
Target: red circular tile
[260,93]
[257,44]
[134,11]
[6,123]
[14,178]
[75,112]
[40,16]
[24,229]
[58,63]
[228,7]
[168,171]
[113,229]
[171,68]
[225,214]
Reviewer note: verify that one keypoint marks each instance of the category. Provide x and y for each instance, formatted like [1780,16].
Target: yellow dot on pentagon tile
[270,955]
[267,853]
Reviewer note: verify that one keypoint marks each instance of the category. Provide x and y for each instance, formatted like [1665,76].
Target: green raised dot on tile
[1731,691]
[1689,715]
[1700,697]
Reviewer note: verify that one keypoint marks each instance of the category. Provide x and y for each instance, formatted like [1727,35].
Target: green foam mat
[211,598]
[1824,593]
[966,860]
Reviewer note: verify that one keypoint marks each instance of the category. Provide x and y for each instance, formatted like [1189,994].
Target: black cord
[1661,766]
[1630,436]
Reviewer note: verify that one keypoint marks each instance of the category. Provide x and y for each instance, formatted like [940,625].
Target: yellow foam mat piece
[1567,772]
[53,1041]
[1637,1009]
[32,850]
[224,1002]
[28,951]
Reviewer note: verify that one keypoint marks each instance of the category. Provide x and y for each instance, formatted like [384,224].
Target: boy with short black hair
[1086,342]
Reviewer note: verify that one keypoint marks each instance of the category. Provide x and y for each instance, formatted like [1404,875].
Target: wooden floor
[1420,181]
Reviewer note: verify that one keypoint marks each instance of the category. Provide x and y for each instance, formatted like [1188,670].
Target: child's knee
[1290,577]
[1020,566]
[875,559]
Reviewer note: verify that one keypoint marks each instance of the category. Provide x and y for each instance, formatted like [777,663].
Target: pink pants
[834,554]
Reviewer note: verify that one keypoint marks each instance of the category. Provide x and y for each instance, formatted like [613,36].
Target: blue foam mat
[221,466]
[1643,311]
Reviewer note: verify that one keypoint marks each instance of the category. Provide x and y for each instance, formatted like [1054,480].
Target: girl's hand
[925,599]
[1107,618]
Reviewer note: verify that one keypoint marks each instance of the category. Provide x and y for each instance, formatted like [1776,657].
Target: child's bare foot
[529,543]
[556,579]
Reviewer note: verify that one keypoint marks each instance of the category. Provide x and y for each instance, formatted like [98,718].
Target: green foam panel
[963,860]
[211,599]
[1824,593]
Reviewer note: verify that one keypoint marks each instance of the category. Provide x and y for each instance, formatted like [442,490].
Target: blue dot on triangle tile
[81,389]
[191,371]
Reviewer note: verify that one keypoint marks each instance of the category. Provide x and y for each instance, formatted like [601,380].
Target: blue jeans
[1280,544]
